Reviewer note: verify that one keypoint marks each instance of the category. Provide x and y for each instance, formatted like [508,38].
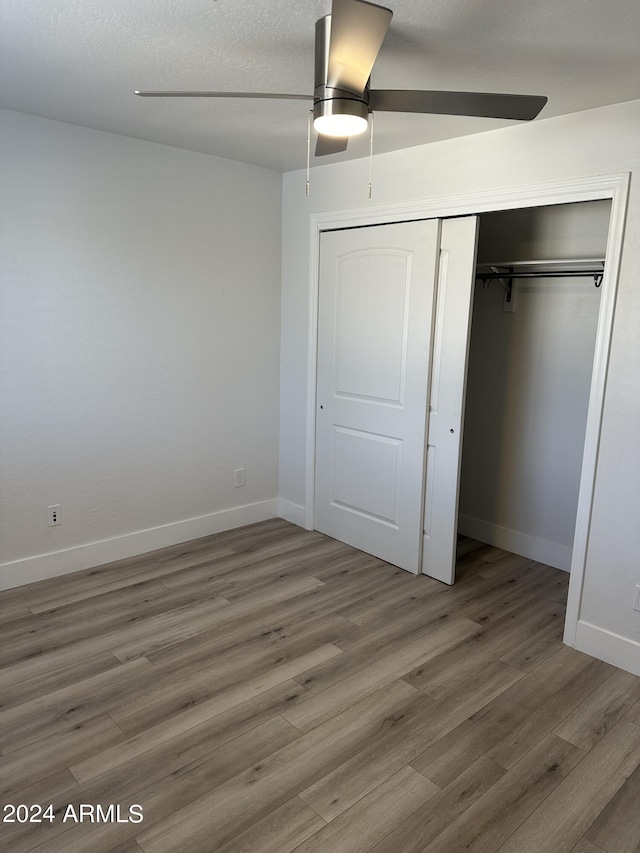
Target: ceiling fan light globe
[340,124]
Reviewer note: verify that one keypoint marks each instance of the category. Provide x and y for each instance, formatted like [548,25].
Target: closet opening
[530,364]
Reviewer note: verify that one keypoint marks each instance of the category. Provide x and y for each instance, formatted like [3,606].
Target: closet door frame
[613,187]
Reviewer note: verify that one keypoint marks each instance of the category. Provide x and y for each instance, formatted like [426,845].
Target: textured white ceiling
[80,60]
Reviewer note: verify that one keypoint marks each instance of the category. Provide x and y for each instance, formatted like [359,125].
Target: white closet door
[456,276]
[376,300]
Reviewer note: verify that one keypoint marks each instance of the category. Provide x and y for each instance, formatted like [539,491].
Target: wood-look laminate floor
[271,690]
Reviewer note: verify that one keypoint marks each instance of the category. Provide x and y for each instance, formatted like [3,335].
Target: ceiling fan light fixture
[340,125]
[340,117]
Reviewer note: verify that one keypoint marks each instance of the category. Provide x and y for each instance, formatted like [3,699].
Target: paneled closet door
[456,277]
[376,299]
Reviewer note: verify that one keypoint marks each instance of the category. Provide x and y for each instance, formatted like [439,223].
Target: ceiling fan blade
[485,104]
[357,32]
[330,145]
[221,95]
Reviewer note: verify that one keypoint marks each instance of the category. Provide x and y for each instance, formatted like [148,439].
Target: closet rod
[506,272]
[597,274]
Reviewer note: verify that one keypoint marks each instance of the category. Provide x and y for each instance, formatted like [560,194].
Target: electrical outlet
[636,600]
[54,515]
[239,477]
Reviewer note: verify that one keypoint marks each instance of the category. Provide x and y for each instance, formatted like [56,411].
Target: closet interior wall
[528,383]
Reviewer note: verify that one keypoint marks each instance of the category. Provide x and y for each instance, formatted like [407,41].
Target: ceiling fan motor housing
[328,100]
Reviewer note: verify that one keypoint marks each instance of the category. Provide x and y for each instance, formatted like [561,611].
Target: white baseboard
[605,645]
[43,566]
[541,550]
[291,512]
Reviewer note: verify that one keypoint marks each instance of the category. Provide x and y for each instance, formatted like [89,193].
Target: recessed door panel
[372,301]
[366,475]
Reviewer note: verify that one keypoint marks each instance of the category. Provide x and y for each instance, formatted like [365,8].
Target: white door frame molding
[614,187]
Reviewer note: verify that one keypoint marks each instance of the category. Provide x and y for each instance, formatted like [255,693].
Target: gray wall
[139,348]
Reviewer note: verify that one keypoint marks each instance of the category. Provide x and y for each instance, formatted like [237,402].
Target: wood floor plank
[558,587]
[378,813]
[633,714]
[428,822]
[130,846]
[84,596]
[403,740]
[445,604]
[92,767]
[219,641]
[10,599]
[192,686]
[93,614]
[81,586]
[152,637]
[245,577]
[55,789]
[46,756]
[600,711]
[536,649]
[275,690]
[560,821]
[172,791]
[43,718]
[170,620]
[281,831]
[198,745]
[55,679]
[321,599]
[480,731]
[358,776]
[392,626]
[388,620]
[378,645]
[545,717]
[374,606]
[508,592]
[152,633]
[219,740]
[452,668]
[82,700]
[499,561]
[233,807]
[586,846]
[245,571]
[617,829]
[492,818]
[11,613]
[321,707]
[91,579]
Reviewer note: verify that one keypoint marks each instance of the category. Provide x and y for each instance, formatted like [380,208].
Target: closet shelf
[552,263]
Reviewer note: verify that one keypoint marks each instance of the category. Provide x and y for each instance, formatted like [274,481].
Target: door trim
[614,187]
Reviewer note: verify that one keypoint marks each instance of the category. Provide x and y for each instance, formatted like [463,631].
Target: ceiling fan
[347,43]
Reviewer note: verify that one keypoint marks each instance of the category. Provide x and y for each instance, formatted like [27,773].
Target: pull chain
[308,149]
[370,153]
[308,187]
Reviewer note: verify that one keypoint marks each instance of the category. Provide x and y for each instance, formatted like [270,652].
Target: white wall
[596,142]
[528,384]
[139,360]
